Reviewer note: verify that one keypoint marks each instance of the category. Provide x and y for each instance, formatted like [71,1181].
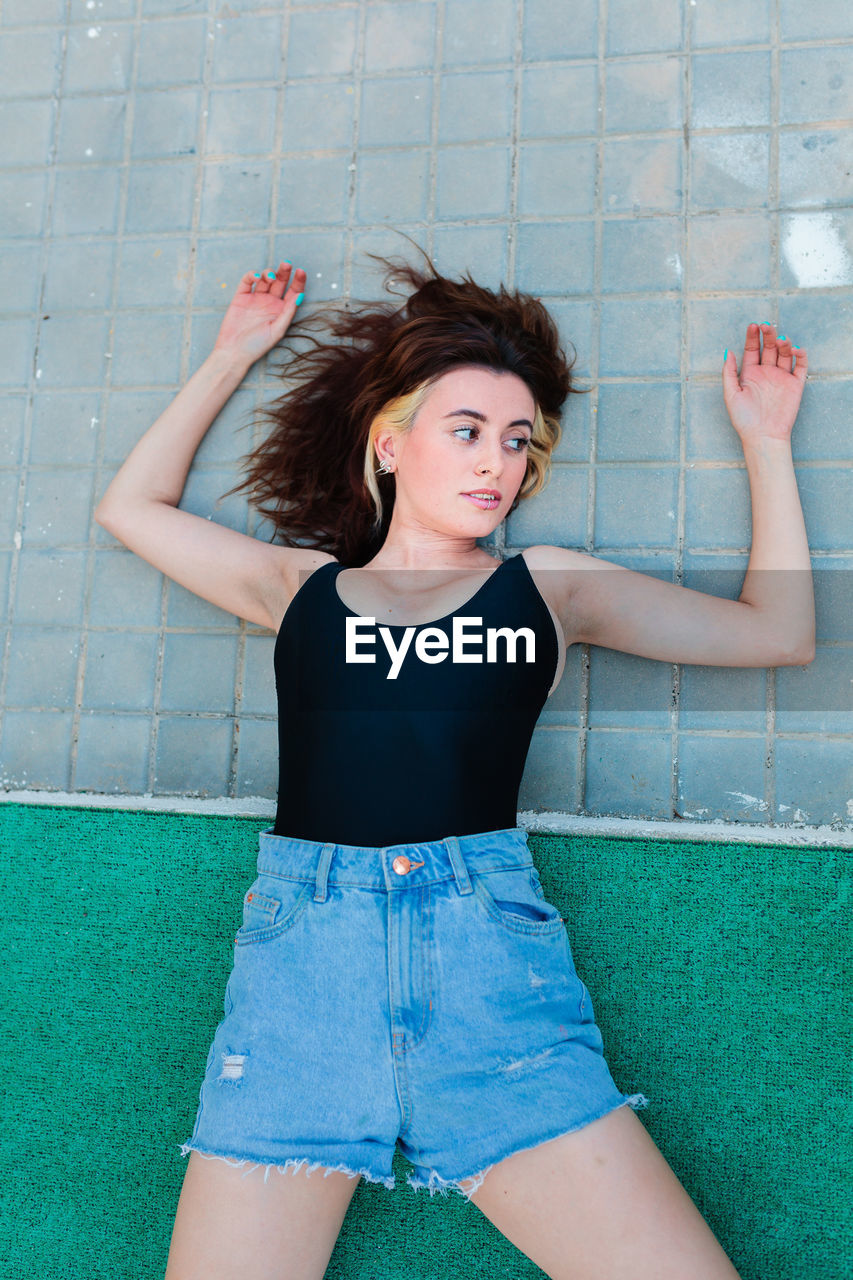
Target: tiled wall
[660,173]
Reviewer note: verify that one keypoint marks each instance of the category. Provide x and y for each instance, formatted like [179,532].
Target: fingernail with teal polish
[287,264]
[271,275]
[782,338]
[257,275]
[299,299]
[725,355]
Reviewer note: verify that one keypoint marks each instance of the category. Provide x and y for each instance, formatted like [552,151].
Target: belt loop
[463,880]
[320,894]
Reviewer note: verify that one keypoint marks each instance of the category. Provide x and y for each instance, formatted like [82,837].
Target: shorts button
[401,865]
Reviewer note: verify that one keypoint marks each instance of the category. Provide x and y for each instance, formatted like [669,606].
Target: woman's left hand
[763,403]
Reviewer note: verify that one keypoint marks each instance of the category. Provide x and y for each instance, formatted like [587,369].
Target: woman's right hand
[260,312]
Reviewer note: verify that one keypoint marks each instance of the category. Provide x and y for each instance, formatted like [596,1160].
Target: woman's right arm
[252,579]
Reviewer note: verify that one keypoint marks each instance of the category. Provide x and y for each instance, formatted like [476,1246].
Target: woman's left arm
[772,623]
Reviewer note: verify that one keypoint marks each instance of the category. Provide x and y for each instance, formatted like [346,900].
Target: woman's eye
[458,429]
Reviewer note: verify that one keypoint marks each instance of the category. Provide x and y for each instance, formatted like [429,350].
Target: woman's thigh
[602,1203]
[233,1222]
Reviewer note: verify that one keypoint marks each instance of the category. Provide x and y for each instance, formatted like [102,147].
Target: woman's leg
[602,1203]
[230,1222]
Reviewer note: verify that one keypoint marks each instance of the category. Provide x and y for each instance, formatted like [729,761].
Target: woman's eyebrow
[481,417]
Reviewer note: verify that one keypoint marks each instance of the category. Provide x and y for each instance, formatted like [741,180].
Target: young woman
[399,976]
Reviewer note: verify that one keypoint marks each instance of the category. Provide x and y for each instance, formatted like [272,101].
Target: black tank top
[437,751]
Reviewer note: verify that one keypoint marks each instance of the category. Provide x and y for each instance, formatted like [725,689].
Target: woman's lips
[485,504]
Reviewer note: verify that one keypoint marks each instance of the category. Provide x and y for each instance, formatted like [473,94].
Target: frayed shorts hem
[435,1182]
[295,1164]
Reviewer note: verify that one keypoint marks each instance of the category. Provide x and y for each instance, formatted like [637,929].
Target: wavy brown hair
[314,475]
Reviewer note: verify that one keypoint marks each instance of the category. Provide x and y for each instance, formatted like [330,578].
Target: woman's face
[469,436]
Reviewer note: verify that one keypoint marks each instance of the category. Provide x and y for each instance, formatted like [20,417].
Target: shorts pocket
[271,905]
[514,899]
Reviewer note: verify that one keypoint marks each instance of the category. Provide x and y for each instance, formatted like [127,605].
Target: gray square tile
[126,591]
[160,197]
[400,36]
[257,758]
[821,429]
[827,17]
[146,349]
[323,43]
[193,756]
[816,84]
[392,186]
[237,194]
[559,100]
[633,28]
[319,116]
[166,123]
[814,780]
[722,697]
[710,434]
[58,507]
[628,691]
[20,276]
[819,322]
[816,249]
[816,168]
[65,428]
[79,274]
[556,178]
[26,128]
[366,275]
[475,106]
[92,129]
[17,342]
[241,121]
[730,90]
[9,489]
[549,780]
[480,250]
[717,507]
[248,47]
[72,350]
[640,336]
[188,610]
[25,13]
[574,445]
[80,11]
[314,190]
[728,22]
[817,698]
[50,587]
[120,670]
[642,175]
[154,272]
[172,7]
[638,421]
[478,31]
[833,588]
[42,667]
[575,322]
[259,695]
[542,244]
[641,255]
[203,496]
[395,111]
[29,63]
[22,199]
[827,511]
[636,506]
[628,773]
[198,673]
[645,94]
[85,201]
[563,707]
[172,52]
[112,753]
[35,749]
[560,31]
[730,170]
[557,515]
[729,251]
[473,182]
[722,775]
[98,57]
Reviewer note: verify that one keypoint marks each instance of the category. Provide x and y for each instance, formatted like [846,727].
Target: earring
[385,467]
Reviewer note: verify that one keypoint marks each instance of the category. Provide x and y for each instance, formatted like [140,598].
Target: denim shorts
[416,995]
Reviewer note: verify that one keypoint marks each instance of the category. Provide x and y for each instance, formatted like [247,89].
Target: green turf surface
[718,978]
